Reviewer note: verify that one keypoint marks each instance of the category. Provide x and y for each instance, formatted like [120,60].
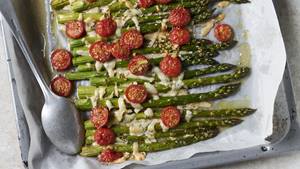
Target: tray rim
[268,149]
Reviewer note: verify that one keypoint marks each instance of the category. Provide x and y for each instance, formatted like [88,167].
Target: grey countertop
[289,17]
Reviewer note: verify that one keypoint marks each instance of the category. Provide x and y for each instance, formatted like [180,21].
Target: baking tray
[286,132]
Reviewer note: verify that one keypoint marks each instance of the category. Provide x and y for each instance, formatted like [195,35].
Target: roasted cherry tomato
[120,51]
[139,65]
[180,17]
[109,155]
[106,27]
[171,66]
[136,94]
[223,32]
[61,59]
[75,29]
[132,38]
[61,86]
[170,116]
[180,36]
[163,1]
[100,51]
[146,3]
[99,116]
[104,136]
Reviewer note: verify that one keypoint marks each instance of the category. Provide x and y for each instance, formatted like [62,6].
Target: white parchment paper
[256,25]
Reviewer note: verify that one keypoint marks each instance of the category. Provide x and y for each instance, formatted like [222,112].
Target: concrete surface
[289,15]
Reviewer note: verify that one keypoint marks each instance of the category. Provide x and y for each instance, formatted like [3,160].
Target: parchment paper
[255,24]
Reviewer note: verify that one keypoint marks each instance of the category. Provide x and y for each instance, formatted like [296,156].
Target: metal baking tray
[286,131]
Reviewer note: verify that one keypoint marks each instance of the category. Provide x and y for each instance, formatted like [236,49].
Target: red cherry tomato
[104,136]
[223,32]
[163,1]
[170,116]
[180,17]
[106,27]
[132,38]
[139,65]
[180,36]
[120,51]
[61,59]
[100,51]
[109,155]
[170,66]
[75,29]
[61,86]
[146,3]
[99,116]
[136,94]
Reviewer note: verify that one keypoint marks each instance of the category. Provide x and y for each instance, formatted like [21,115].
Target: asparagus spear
[242,112]
[145,27]
[64,17]
[83,75]
[59,4]
[80,5]
[91,151]
[199,47]
[85,62]
[188,125]
[97,80]
[89,91]
[220,93]
[222,113]
[175,134]
[188,74]
[238,74]
[209,70]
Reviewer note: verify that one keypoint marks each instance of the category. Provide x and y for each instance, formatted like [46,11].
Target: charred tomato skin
[179,36]
[120,51]
[106,27]
[180,17]
[100,51]
[170,116]
[109,155]
[146,3]
[139,65]
[61,86]
[132,38]
[99,116]
[223,32]
[136,93]
[104,136]
[61,59]
[171,66]
[75,29]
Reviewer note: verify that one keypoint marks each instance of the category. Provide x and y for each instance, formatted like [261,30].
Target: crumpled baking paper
[256,27]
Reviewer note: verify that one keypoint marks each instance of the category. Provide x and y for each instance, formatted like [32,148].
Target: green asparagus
[188,74]
[89,91]
[174,134]
[91,151]
[237,75]
[221,92]
[83,75]
[242,112]
[227,122]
